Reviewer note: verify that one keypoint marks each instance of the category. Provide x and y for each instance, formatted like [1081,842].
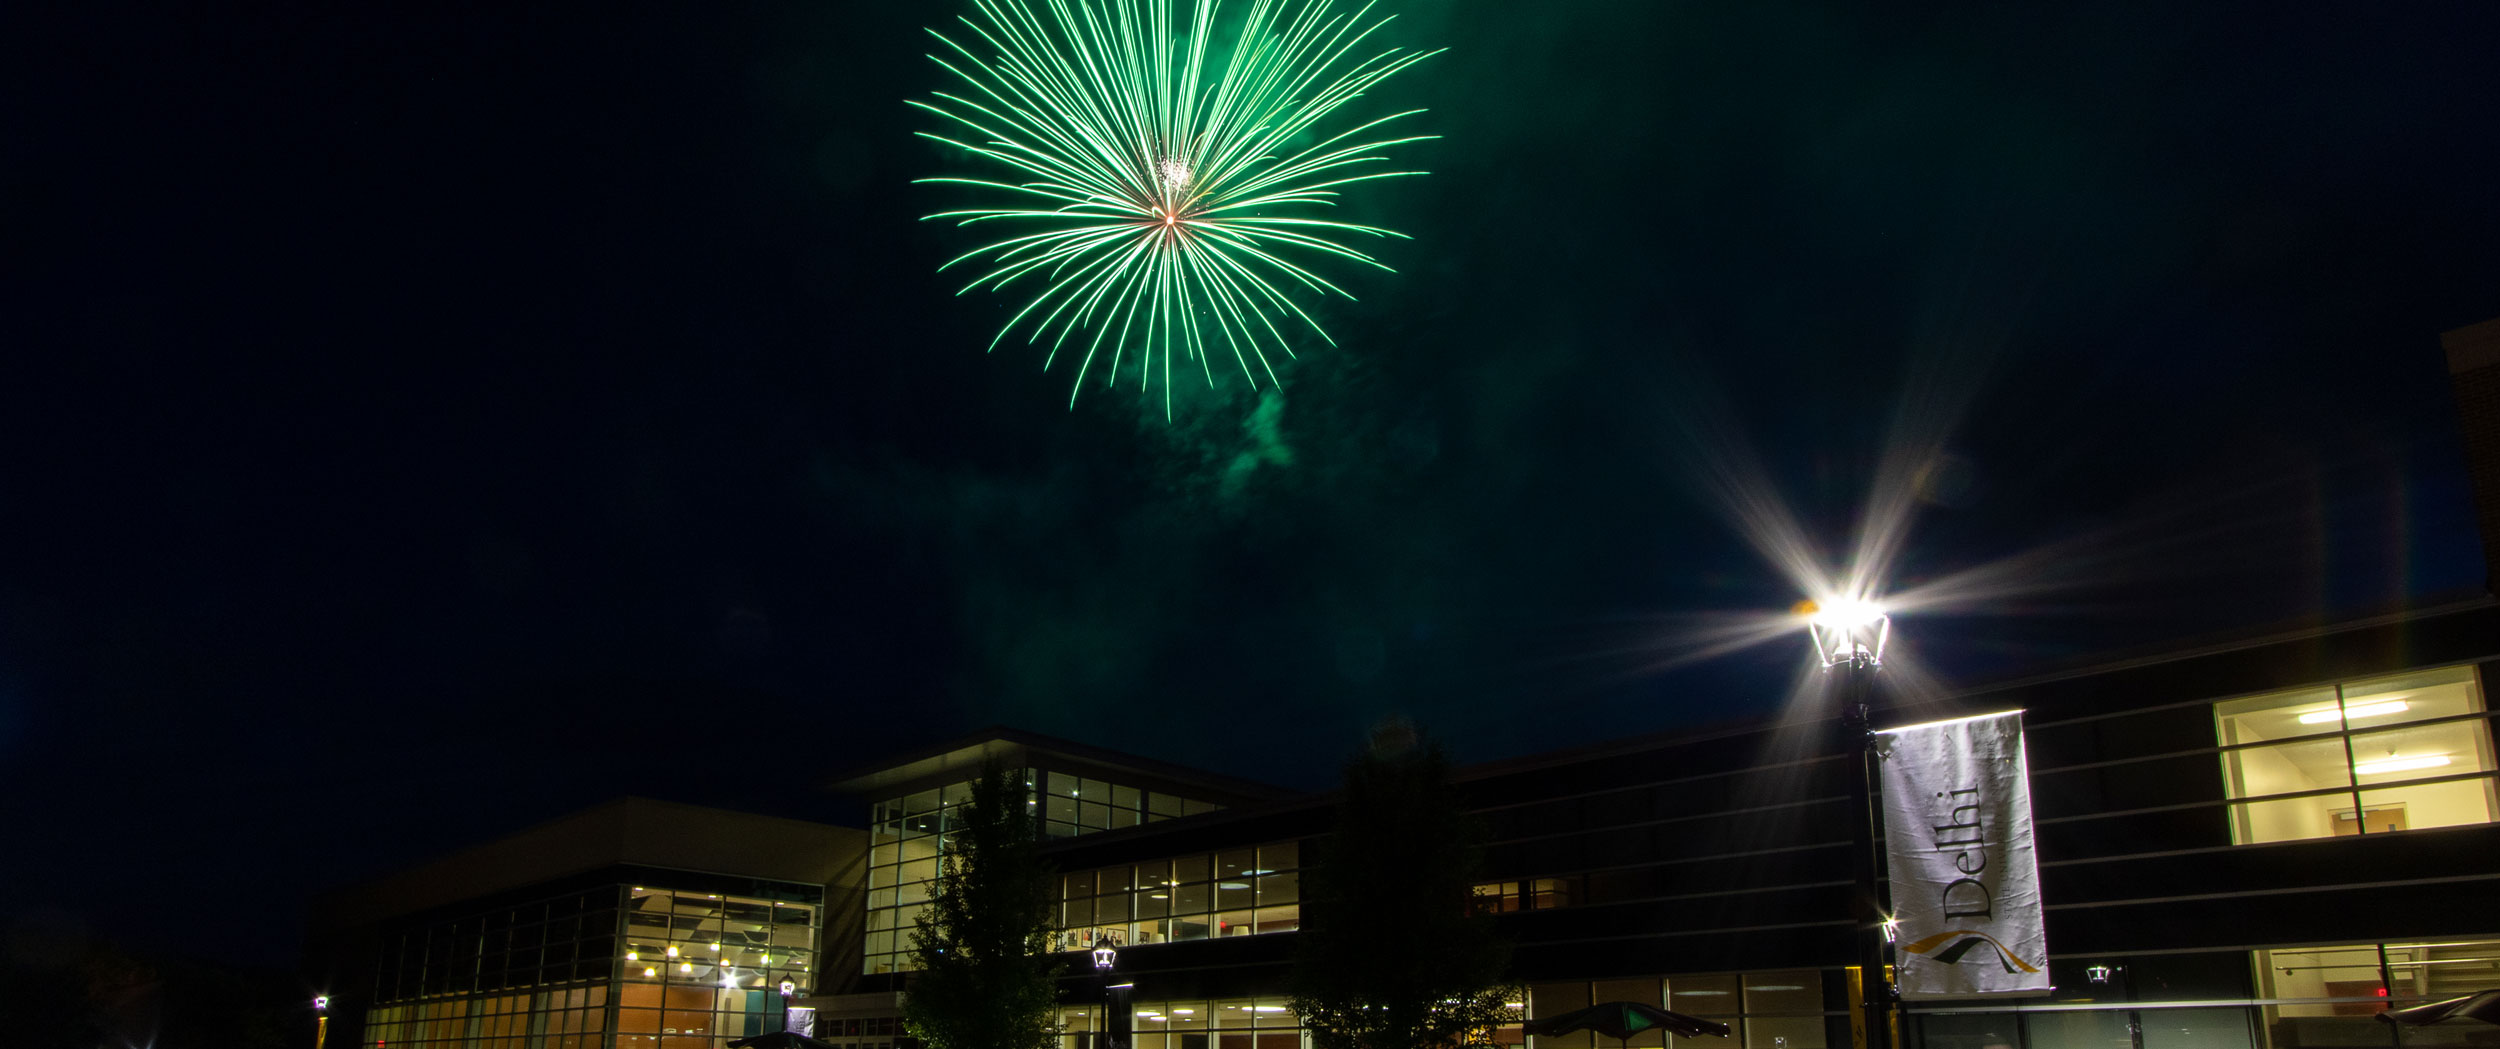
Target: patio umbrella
[1622,1020]
[2481,1005]
[779,1040]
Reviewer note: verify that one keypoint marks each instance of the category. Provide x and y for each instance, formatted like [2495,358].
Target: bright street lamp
[1849,636]
[1847,630]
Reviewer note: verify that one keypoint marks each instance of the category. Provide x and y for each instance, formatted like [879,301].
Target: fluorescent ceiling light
[2430,761]
[2359,710]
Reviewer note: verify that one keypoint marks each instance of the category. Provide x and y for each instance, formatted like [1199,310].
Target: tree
[1390,955]
[986,978]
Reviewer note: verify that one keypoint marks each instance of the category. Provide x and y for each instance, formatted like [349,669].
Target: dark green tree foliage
[986,979]
[1389,956]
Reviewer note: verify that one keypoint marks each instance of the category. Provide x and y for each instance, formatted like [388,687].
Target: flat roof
[957,760]
[634,831]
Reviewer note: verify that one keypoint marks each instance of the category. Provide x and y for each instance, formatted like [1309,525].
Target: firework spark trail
[1153,167]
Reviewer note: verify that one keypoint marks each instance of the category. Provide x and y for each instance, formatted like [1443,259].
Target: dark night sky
[421,423]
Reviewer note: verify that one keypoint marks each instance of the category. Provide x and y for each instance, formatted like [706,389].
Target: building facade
[2254,846]
[2251,847]
[635,925]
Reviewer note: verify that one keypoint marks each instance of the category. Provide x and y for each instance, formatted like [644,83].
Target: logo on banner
[1970,940]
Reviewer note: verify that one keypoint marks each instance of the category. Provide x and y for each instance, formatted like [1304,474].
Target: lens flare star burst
[1173,171]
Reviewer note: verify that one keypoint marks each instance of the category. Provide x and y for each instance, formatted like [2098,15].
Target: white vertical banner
[1957,834]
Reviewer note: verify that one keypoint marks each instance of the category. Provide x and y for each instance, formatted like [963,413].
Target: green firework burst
[1174,188]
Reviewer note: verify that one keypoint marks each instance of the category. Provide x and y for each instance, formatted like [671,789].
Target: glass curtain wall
[617,965]
[1221,1023]
[2324,996]
[537,973]
[703,968]
[1778,1009]
[2362,757]
[1203,895]
[905,838]
[909,833]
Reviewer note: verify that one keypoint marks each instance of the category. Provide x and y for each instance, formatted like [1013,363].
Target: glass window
[1554,999]
[1704,995]
[1494,897]
[1283,856]
[1797,991]
[2196,1028]
[1190,898]
[2363,757]
[1548,893]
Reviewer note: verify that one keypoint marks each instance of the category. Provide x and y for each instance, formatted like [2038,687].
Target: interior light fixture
[685,967]
[633,956]
[2394,764]
[649,971]
[2362,710]
[1183,1012]
[1267,1008]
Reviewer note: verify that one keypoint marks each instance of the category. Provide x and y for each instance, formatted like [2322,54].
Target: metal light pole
[1849,636]
[321,1030]
[1115,1021]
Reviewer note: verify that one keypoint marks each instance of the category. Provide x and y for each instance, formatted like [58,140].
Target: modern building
[2249,846]
[2252,845]
[638,924]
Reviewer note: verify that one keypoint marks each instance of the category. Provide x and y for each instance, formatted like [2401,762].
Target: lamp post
[1115,1020]
[1849,637]
[321,1012]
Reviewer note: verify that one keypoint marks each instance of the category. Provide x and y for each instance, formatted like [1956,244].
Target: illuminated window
[1235,892]
[907,835]
[2360,757]
[2330,995]
[1783,1009]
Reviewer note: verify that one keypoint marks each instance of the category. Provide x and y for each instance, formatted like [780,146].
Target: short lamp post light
[321,1020]
[1849,638]
[1106,955]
